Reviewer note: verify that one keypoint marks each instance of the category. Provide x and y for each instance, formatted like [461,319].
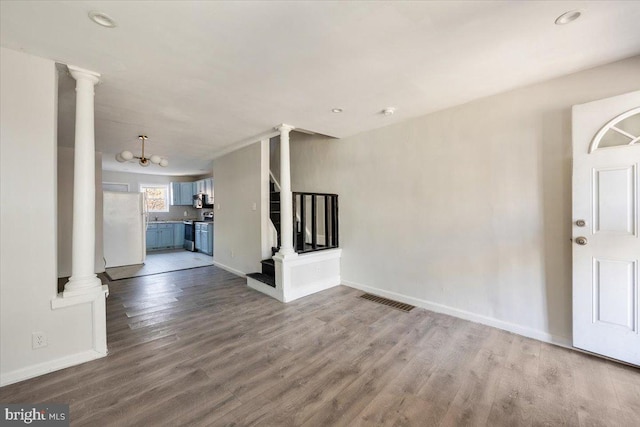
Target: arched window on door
[620,131]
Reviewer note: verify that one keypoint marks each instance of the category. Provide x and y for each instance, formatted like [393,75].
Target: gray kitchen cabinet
[198,243]
[182,193]
[152,237]
[199,186]
[178,235]
[204,237]
[209,238]
[208,188]
[204,186]
[175,194]
[165,236]
[186,193]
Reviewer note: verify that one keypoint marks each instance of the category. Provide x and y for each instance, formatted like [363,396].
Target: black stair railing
[315,219]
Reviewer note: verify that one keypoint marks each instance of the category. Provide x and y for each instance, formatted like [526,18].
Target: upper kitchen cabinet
[182,193]
[199,186]
[186,193]
[208,188]
[205,186]
[175,194]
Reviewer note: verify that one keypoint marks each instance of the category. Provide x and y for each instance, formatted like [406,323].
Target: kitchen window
[157,197]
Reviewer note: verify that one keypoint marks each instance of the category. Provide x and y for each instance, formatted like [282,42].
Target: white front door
[606,245]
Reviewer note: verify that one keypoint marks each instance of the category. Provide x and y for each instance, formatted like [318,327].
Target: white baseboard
[229,269]
[46,367]
[265,289]
[312,288]
[466,315]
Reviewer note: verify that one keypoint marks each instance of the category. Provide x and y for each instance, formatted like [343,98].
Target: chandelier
[127,156]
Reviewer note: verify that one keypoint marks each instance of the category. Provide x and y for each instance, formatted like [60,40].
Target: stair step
[260,277]
[268,267]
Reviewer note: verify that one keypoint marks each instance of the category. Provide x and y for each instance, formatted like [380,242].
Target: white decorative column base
[279,256]
[82,286]
[97,298]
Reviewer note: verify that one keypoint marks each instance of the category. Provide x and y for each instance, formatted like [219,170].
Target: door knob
[581,240]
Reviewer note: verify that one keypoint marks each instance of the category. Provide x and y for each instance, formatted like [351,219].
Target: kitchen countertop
[170,221]
[177,221]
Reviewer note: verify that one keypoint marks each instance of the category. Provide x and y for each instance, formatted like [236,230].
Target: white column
[286,205]
[83,278]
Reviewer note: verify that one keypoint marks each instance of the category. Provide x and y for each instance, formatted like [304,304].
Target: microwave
[197,201]
[202,200]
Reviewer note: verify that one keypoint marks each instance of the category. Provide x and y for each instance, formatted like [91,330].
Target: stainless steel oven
[189,235]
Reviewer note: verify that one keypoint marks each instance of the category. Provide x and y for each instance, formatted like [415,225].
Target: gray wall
[237,241]
[28,279]
[466,210]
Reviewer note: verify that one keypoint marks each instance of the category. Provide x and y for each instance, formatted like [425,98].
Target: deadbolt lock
[581,240]
[581,223]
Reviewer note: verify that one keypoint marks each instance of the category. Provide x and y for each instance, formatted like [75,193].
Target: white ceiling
[200,78]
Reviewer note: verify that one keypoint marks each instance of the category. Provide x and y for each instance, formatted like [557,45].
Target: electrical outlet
[233,254]
[38,339]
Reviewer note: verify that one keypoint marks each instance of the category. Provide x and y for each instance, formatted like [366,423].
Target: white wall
[65,212]
[467,210]
[28,279]
[135,179]
[237,242]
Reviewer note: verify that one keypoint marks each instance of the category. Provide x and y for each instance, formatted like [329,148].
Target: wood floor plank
[392,410]
[200,348]
[472,404]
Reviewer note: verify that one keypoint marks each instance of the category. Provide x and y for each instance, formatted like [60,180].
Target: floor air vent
[391,303]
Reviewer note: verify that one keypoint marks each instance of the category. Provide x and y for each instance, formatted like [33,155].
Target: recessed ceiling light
[336,110]
[568,17]
[388,111]
[102,19]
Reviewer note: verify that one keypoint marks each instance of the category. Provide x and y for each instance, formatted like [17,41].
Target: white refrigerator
[124,228]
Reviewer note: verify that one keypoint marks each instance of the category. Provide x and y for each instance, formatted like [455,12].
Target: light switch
[255,206]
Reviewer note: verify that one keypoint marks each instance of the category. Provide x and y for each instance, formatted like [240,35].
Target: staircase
[315,227]
[274,210]
[268,274]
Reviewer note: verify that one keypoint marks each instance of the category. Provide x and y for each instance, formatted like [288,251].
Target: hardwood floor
[198,347]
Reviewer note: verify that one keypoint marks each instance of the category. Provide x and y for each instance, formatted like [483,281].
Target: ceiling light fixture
[388,111]
[336,110]
[568,17]
[102,19]
[143,161]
